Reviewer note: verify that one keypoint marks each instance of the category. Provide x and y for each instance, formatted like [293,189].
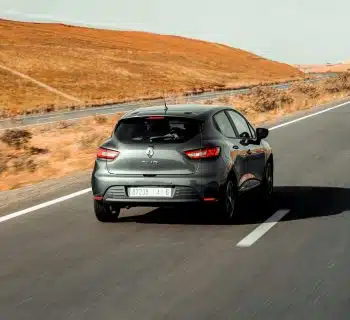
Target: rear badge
[154,162]
[150,152]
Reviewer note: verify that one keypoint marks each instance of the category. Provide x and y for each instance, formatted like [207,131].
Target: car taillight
[107,154]
[203,153]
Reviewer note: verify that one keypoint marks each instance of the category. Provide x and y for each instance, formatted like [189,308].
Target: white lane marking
[41,84]
[256,234]
[43,205]
[309,116]
[275,218]
[49,203]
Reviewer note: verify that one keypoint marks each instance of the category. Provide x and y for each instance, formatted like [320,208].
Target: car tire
[227,205]
[266,188]
[104,213]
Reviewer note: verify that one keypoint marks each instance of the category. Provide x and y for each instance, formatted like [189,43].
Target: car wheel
[105,213]
[267,183]
[228,203]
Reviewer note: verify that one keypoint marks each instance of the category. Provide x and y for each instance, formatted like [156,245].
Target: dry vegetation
[265,103]
[103,66]
[51,151]
[56,150]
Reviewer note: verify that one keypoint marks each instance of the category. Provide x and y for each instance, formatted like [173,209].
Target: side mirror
[245,138]
[262,133]
[244,135]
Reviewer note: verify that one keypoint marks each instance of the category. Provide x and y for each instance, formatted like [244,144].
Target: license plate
[149,192]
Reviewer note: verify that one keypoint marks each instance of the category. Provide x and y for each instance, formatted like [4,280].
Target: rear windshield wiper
[169,136]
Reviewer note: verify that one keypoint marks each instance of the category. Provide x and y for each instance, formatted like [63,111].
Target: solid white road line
[41,84]
[73,195]
[309,116]
[256,234]
[43,205]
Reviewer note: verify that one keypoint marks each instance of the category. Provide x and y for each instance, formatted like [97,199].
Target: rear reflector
[203,153]
[98,198]
[107,154]
[209,199]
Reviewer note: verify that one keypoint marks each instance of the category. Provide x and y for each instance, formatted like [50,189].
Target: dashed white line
[256,234]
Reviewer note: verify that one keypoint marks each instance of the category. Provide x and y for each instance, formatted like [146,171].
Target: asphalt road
[25,121]
[60,263]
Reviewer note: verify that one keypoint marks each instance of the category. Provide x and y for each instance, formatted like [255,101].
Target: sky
[291,31]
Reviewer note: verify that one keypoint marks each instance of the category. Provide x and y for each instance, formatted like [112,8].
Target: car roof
[194,111]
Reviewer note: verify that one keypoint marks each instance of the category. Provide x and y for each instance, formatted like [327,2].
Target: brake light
[203,153]
[107,154]
[155,118]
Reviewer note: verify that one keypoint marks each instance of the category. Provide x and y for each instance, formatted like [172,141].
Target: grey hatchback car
[180,155]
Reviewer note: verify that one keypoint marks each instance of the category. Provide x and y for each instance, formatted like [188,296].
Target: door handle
[235,147]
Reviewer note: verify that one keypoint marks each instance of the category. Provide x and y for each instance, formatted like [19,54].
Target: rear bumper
[151,202]
[185,189]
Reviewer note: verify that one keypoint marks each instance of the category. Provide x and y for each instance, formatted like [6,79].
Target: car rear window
[157,129]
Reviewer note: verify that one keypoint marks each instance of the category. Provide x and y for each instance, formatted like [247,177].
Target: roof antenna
[165,106]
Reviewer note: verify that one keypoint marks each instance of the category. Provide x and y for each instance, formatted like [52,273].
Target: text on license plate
[150,192]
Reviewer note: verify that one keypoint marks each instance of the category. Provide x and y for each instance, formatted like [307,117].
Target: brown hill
[101,66]
[322,68]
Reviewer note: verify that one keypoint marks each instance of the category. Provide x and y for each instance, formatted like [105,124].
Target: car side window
[240,124]
[224,124]
[252,130]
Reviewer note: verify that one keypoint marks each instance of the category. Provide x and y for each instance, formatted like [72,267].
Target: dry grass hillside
[103,66]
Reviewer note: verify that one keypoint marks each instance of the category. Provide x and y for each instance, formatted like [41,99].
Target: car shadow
[302,203]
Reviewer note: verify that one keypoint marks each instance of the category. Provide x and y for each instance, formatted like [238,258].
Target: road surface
[58,262]
[25,121]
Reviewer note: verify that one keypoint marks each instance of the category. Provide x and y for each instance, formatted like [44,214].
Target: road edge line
[308,116]
[43,205]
